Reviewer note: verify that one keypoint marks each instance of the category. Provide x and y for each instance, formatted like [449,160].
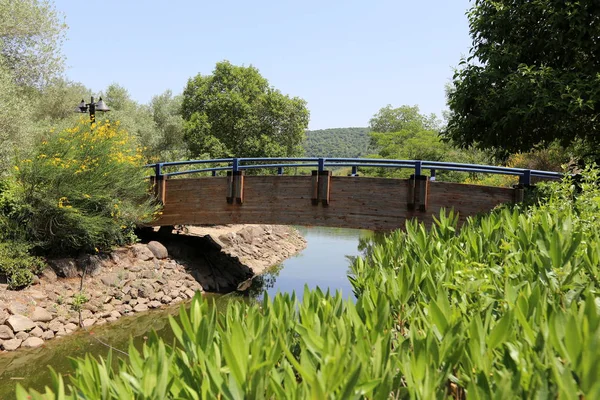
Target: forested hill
[337,142]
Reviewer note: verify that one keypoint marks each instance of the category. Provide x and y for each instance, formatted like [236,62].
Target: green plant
[79,299]
[84,190]
[17,265]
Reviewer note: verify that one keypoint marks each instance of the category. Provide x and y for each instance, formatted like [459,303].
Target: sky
[347,59]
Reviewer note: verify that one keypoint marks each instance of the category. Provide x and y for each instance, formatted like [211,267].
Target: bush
[83,190]
[17,265]
[507,307]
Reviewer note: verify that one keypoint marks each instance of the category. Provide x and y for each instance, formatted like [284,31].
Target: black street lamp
[92,108]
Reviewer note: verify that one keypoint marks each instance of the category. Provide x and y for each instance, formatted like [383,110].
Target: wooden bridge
[230,195]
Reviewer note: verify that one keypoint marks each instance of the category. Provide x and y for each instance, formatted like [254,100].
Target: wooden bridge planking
[367,203]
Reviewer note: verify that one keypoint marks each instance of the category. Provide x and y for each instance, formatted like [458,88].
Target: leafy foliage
[17,265]
[531,77]
[404,133]
[83,190]
[337,142]
[507,307]
[235,113]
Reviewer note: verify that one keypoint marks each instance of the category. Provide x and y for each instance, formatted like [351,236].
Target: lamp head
[101,106]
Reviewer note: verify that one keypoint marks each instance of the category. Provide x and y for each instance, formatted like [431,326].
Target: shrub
[84,190]
[17,265]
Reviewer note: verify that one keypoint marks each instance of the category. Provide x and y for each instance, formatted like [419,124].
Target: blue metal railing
[239,164]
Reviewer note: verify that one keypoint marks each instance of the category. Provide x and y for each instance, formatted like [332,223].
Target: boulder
[111,280]
[146,290]
[17,308]
[49,275]
[154,304]
[22,335]
[142,252]
[37,295]
[36,332]
[47,335]
[12,344]
[140,308]
[55,325]
[158,250]
[64,267]
[88,322]
[6,333]
[41,314]
[3,316]
[20,323]
[92,264]
[32,342]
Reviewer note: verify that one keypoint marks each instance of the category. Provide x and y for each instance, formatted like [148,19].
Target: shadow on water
[324,263]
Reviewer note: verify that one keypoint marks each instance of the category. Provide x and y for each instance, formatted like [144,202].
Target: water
[324,263]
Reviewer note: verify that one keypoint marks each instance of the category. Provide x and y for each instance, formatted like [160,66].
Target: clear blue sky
[347,59]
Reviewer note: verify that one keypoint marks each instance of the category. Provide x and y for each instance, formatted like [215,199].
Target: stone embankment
[168,268]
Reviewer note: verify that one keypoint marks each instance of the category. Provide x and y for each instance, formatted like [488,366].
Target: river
[323,263]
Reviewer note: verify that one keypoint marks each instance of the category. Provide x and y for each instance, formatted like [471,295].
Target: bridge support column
[519,193]
[321,187]
[159,186]
[418,193]
[235,187]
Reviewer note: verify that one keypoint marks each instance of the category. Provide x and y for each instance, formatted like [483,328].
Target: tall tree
[31,33]
[532,77]
[235,113]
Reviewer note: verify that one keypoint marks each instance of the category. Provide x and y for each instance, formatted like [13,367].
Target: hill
[337,142]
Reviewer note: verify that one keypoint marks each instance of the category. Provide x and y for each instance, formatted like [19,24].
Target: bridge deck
[367,203]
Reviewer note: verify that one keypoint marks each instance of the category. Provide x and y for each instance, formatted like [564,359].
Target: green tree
[235,113]
[31,33]
[166,113]
[532,76]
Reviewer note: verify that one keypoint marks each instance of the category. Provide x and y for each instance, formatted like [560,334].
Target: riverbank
[165,269]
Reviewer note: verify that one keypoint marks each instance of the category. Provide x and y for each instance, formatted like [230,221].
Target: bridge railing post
[525,178]
[279,170]
[418,189]
[159,183]
[235,183]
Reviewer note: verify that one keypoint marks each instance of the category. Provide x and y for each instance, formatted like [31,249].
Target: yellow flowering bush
[85,189]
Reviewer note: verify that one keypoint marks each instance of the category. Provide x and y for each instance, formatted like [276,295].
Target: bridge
[242,191]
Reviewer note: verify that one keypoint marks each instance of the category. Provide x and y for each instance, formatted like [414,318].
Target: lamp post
[92,107]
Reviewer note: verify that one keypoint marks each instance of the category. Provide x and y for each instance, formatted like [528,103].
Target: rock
[146,290]
[111,280]
[12,344]
[158,250]
[154,304]
[49,275]
[47,335]
[36,332]
[20,323]
[140,308]
[32,342]
[142,252]
[42,325]
[3,316]
[190,293]
[166,299]
[70,327]
[115,314]
[6,333]
[111,319]
[41,314]
[17,308]
[88,322]
[100,322]
[64,267]
[55,325]
[142,300]
[22,335]
[250,233]
[91,264]
[37,295]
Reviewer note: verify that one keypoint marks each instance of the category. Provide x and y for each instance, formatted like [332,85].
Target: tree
[31,33]
[166,113]
[532,76]
[235,113]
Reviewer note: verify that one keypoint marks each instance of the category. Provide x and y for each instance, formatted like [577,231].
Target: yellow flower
[16,168]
